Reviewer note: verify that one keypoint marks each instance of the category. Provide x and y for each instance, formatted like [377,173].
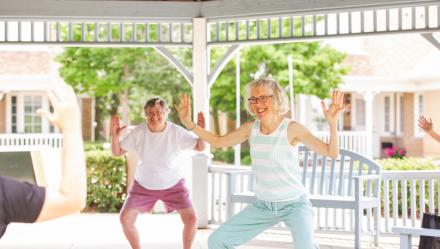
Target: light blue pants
[261,215]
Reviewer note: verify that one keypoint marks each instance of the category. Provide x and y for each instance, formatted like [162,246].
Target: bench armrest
[238,172]
[366,177]
[416,231]
[231,179]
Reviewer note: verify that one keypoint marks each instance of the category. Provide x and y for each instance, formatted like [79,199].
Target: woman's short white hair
[157,101]
[280,100]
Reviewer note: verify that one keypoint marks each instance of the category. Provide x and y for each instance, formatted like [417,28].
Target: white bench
[406,234]
[330,187]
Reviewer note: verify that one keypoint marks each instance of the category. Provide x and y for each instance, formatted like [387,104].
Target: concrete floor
[161,231]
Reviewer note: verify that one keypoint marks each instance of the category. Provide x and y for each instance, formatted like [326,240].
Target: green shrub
[106,174]
[227,156]
[93,146]
[404,164]
[409,163]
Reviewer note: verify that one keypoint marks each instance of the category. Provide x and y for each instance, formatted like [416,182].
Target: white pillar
[200,103]
[199,178]
[200,69]
[292,103]
[369,101]
[302,109]
[237,148]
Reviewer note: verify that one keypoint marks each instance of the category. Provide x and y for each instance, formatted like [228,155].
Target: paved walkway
[103,231]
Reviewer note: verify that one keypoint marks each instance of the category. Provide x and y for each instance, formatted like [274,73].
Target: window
[418,111]
[402,114]
[14,114]
[360,113]
[32,121]
[387,112]
[22,116]
[51,127]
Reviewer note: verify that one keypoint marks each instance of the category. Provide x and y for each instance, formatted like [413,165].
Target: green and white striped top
[275,164]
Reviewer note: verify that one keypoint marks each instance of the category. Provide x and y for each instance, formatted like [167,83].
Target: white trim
[92,123]
[388,84]
[20,113]
[352,111]
[429,86]
[31,82]
[99,10]
[417,112]
[80,104]
[8,113]
[201,103]
[152,10]
[354,98]
[239,9]
[382,130]
[45,129]
[164,52]
[44,122]
[212,76]
[430,37]
[399,110]
[341,123]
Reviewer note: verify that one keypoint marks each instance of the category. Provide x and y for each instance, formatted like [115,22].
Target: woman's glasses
[261,99]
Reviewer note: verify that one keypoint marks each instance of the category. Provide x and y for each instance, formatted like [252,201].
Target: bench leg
[376,226]
[405,241]
[357,227]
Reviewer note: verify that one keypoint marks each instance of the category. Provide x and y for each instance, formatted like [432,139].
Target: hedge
[410,163]
[106,174]
[227,156]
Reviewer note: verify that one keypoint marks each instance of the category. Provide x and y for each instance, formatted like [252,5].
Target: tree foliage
[107,72]
[317,70]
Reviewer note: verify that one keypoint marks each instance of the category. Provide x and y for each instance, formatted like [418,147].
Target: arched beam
[174,61]
[222,63]
[430,37]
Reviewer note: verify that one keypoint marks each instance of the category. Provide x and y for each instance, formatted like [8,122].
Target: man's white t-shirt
[157,152]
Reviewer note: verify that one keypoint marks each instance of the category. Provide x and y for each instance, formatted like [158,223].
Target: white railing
[401,206]
[13,142]
[217,184]
[405,206]
[356,141]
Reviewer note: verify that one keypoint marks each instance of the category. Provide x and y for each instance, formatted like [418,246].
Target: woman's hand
[66,115]
[336,107]
[425,124]
[201,120]
[184,110]
[116,127]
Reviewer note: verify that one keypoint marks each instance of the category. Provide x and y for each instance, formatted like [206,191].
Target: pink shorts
[174,198]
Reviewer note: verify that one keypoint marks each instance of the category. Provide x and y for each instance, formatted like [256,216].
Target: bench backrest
[326,176]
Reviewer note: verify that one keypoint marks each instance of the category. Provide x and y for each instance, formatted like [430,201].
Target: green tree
[100,72]
[317,70]
[157,77]
[105,73]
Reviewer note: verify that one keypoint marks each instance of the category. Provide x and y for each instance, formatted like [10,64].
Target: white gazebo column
[369,101]
[200,92]
[302,109]
[237,148]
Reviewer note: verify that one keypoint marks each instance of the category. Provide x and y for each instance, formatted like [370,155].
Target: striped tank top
[275,164]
